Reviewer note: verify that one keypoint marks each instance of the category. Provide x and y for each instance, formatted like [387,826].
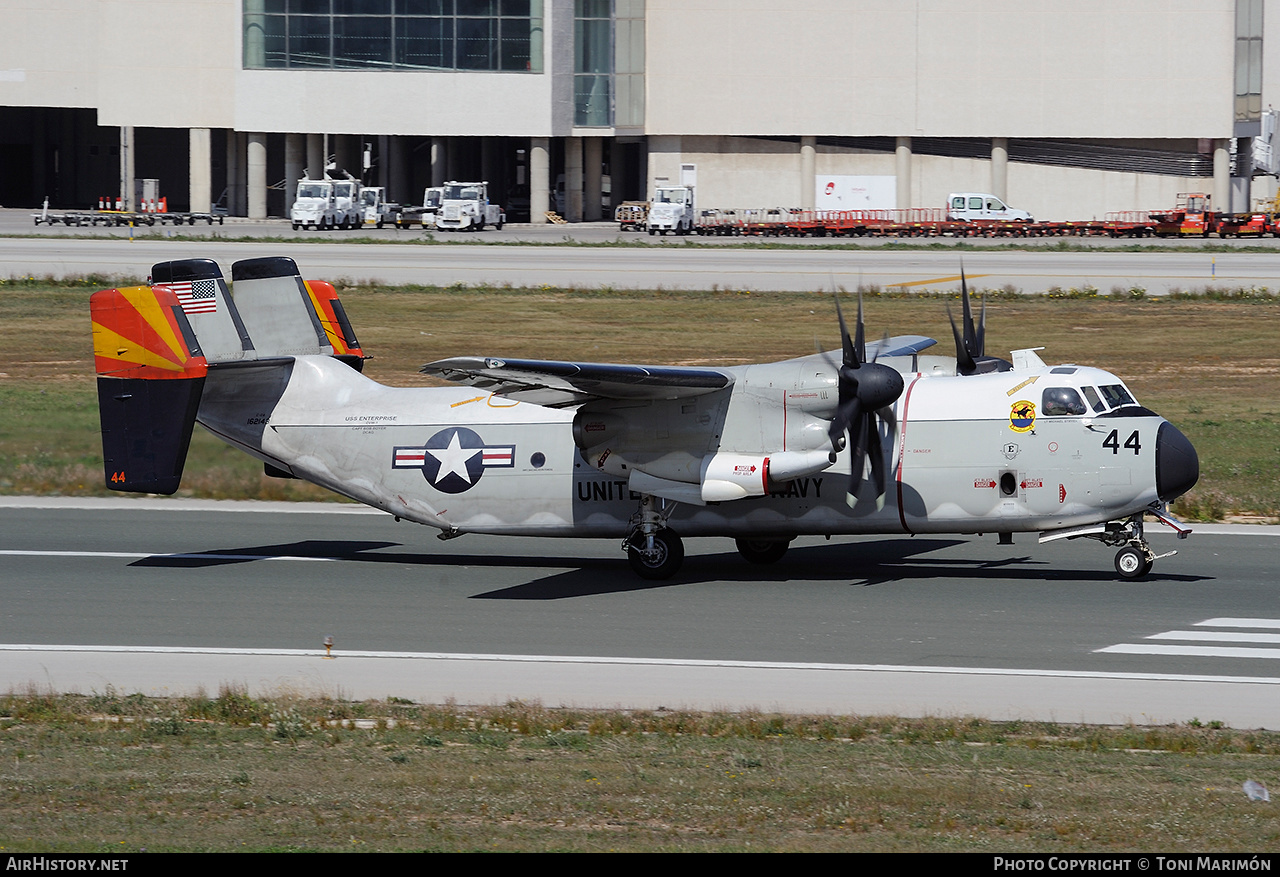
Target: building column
[1221,175]
[295,156]
[902,170]
[398,181]
[539,179]
[808,173]
[346,150]
[235,173]
[1000,168]
[200,170]
[127,183]
[573,179]
[592,184]
[256,167]
[439,160]
[315,157]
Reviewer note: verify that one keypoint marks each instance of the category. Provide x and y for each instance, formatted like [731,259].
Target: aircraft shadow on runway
[862,564]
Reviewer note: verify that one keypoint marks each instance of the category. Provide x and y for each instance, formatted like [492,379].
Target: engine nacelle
[728,476]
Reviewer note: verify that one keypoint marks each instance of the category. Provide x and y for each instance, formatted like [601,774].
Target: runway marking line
[1209,636]
[133,555]
[641,662]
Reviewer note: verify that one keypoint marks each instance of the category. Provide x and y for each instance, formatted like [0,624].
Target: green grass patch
[110,772]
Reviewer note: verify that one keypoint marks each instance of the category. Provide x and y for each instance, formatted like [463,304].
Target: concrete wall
[945,68]
[749,172]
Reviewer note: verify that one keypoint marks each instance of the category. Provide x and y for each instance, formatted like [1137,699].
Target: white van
[969,206]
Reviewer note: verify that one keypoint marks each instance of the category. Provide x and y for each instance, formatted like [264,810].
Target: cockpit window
[1060,401]
[1096,403]
[1116,395]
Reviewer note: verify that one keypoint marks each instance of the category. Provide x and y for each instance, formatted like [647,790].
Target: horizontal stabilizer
[564,384]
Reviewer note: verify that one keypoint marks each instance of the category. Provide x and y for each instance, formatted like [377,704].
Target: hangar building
[1068,110]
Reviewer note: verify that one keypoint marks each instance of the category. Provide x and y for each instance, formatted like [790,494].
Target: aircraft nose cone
[1177,465]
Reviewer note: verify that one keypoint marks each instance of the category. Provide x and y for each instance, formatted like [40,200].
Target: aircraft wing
[899,345]
[566,384]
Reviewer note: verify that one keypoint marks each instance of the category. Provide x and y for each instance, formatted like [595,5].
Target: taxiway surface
[167,596]
[667,266]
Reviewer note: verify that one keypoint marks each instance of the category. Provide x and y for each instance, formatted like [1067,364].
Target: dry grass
[1207,363]
[124,773]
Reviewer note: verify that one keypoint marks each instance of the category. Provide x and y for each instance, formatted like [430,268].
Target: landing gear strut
[654,549]
[1135,558]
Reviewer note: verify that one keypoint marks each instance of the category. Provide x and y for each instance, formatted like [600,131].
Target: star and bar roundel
[454,459]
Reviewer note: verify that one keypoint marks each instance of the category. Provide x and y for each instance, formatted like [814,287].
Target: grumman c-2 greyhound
[874,439]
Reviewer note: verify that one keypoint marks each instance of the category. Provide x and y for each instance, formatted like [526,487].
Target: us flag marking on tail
[196,296]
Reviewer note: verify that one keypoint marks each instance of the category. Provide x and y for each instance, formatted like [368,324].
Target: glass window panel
[477,44]
[592,46]
[517,8]
[515,44]
[361,41]
[309,41]
[593,8]
[361,7]
[477,7]
[424,7]
[274,45]
[591,100]
[310,7]
[424,42]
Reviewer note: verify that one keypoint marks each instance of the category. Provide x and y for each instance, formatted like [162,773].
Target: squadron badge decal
[1022,416]
[453,459]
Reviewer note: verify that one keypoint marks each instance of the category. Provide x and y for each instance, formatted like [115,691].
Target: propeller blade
[846,343]
[857,461]
[965,364]
[859,342]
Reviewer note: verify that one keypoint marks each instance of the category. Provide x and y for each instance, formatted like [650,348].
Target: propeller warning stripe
[136,333]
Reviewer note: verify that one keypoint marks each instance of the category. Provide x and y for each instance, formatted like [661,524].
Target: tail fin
[151,373]
[203,294]
[336,325]
[289,316]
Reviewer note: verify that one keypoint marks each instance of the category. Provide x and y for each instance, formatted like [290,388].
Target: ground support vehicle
[77,218]
[375,208]
[313,205]
[466,207]
[424,215]
[671,210]
[631,215]
[1191,218]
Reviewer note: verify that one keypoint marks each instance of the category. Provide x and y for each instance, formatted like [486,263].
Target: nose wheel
[1134,562]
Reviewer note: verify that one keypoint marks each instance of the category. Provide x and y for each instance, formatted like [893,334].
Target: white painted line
[1240,622]
[1188,651]
[643,662]
[1218,636]
[142,555]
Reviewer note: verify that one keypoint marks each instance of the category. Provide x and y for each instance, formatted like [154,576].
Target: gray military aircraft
[873,439]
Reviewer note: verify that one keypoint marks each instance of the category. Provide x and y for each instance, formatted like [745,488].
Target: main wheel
[668,554]
[1132,563]
[763,550]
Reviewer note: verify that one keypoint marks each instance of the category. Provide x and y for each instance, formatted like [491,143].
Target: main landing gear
[653,549]
[656,552]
